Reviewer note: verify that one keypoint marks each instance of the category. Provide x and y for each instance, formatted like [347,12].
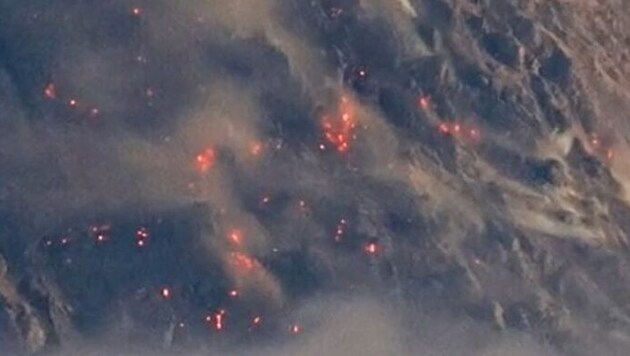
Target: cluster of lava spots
[372,248]
[52,93]
[598,146]
[205,160]
[242,262]
[100,233]
[238,259]
[339,127]
[461,131]
[340,230]
[217,319]
[142,236]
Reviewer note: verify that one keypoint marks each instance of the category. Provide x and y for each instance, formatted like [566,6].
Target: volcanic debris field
[326,177]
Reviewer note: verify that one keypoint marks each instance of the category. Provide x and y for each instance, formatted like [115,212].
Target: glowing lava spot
[236,237]
[205,160]
[339,128]
[242,262]
[217,320]
[371,248]
[50,91]
[424,102]
[256,148]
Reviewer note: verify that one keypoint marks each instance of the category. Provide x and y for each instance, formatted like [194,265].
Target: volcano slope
[314,177]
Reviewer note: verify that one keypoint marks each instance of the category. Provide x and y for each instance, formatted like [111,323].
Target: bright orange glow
[219,320]
[444,128]
[256,149]
[242,262]
[372,248]
[205,160]
[339,129]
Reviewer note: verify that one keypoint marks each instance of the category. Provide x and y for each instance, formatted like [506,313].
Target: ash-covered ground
[326,177]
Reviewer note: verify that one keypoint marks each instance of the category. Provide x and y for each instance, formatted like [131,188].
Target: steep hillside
[315,177]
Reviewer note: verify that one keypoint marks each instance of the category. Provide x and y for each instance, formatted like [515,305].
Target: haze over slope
[307,177]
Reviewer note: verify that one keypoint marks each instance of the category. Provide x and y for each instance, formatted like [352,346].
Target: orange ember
[205,160]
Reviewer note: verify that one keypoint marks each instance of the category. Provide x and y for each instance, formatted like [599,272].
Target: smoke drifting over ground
[344,177]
